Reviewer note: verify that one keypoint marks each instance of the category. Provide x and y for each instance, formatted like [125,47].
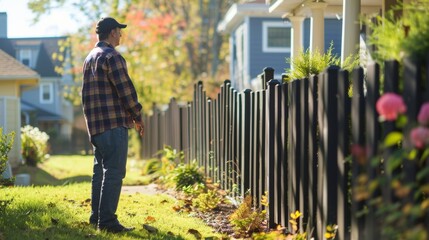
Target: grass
[61,212]
[65,169]
[57,206]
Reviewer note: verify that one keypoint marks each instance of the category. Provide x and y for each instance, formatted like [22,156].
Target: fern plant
[312,63]
[246,219]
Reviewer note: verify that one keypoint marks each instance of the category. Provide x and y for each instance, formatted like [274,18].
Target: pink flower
[420,137]
[423,117]
[390,105]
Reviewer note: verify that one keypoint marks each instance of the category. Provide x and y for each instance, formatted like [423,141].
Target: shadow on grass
[39,177]
[38,220]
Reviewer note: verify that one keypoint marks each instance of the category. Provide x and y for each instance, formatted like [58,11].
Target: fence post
[344,105]
[412,98]
[283,119]
[246,135]
[313,155]
[391,84]
[260,130]
[270,154]
[303,133]
[372,139]
[267,76]
[358,130]
[294,142]
[234,159]
[279,174]
[209,141]
[328,169]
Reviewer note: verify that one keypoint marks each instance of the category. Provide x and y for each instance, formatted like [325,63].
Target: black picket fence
[292,140]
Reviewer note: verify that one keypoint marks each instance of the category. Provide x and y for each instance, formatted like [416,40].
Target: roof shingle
[11,69]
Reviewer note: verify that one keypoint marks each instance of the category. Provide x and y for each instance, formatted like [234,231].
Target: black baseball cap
[106,24]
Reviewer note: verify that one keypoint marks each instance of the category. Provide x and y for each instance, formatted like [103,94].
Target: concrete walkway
[150,189]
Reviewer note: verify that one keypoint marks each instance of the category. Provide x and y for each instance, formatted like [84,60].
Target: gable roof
[12,69]
[46,46]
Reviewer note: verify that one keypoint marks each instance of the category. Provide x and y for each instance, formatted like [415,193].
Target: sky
[20,21]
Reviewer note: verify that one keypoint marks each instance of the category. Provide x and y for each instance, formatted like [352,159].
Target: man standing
[110,107]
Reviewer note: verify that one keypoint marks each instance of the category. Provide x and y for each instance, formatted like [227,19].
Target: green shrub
[187,175]
[151,166]
[194,190]
[246,220]
[6,142]
[407,35]
[207,201]
[34,145]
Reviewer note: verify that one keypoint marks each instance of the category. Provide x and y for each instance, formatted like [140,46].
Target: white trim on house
[246,46]
[265,47]
[50,92]
[26,54]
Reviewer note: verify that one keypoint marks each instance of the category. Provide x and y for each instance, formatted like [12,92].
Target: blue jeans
[110,150]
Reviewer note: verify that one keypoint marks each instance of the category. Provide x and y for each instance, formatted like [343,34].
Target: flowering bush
[390,105]
[423,116]
[402,182]
[34,145]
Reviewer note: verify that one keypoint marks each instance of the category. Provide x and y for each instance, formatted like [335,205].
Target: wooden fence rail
[292,140]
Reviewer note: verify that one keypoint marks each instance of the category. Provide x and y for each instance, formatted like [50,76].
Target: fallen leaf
[150,229]
[164,201]
[150,219]
[194,232]
[176,208]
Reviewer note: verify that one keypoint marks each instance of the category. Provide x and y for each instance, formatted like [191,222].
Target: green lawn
[61,212]
[65,169]
[57,206]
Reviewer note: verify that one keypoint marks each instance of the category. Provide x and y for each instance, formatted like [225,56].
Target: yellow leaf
[329,228]
[329,235]
[279,227]
[425,204]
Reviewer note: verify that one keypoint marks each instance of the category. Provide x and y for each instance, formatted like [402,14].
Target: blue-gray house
[261,37]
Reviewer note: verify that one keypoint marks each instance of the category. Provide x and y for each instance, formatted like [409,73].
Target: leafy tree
[169,45]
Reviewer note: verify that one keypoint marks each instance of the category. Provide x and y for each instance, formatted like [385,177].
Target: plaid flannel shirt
[109,98]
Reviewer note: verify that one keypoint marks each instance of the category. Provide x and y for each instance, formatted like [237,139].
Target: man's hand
[139,127]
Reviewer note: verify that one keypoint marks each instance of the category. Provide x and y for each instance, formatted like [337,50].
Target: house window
[46,93]
[276,37]
[26,58]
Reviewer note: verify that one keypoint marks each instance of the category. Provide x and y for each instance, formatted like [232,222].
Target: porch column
[317,32]
[296,43]
[350,38]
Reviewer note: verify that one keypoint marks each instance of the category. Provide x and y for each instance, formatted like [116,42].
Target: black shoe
[116,229]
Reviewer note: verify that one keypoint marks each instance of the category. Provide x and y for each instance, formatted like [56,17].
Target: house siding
[258,59]
[33,96]
[333,32]
[10,121]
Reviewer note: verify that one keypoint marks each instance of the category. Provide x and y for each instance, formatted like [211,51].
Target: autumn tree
[169,45]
